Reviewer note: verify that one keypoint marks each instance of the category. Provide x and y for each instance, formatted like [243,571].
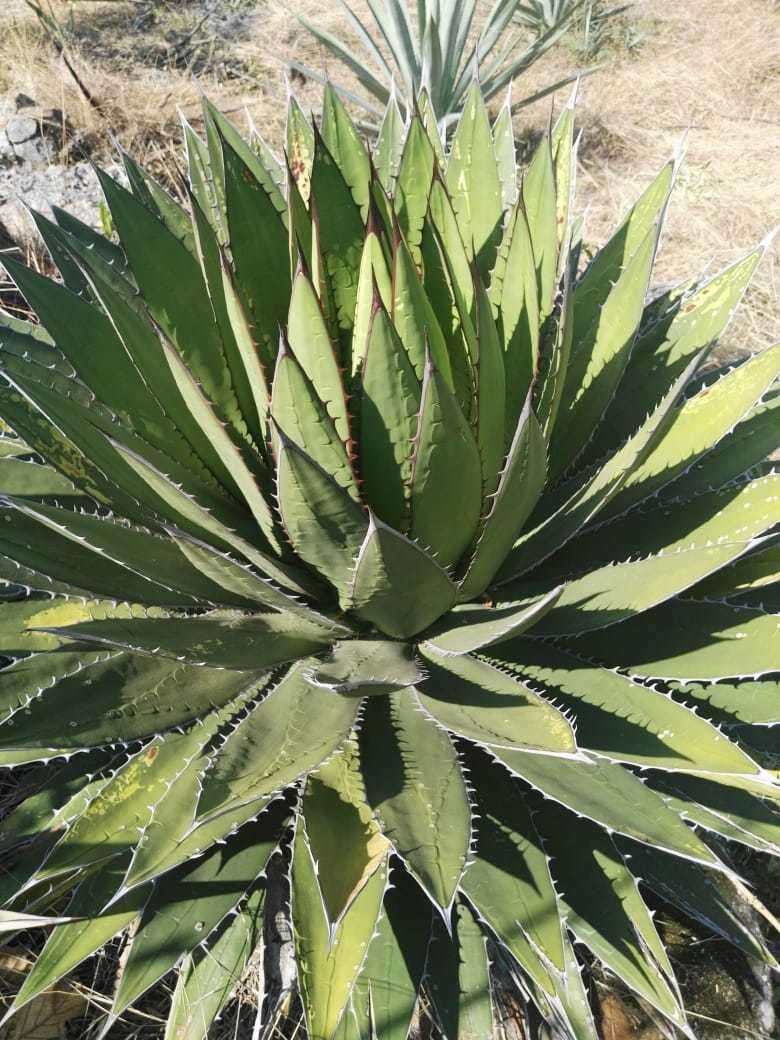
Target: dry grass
[709,73]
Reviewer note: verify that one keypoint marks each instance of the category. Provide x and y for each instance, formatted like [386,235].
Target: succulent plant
[437,50]
[544,14]
[350,522]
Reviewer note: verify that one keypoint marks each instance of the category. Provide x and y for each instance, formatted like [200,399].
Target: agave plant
[345,521]
[437,52]
[539,15]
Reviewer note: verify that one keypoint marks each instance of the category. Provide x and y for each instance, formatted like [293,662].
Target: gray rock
[74,188]
[34,152]
[7,109]
[21,129]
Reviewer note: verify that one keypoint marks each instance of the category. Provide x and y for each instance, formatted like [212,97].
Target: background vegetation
[708,72]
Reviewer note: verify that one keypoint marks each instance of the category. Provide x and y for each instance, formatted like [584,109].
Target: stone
[21,129]
[24,101]
[35,152]
[74,188]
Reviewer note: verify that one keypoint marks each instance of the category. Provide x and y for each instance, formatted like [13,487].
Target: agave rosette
[348,515]
[439,50]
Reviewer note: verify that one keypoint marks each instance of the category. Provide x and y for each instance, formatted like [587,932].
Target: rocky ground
[38,170]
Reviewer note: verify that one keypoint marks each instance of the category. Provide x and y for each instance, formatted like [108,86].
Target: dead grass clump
[712,81]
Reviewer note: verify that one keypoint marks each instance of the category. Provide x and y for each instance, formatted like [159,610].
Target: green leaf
[259,160]
[172,835]
[29,626]
[414,318]
[244,468]
[564,151]
[191,513]
[687,544]
[291,731]
[691,640]
[607,347]
[314,350]
[519,488]
[385,994]
[240,580]
[389,405]
[747,447]
[737,815]
[468,628]
[329,964]
[663,348]
[187,906]
[297,409]
[473,182]
[396,585]
[257,232]
[124,697]
[415,787]
[475,700]
[603,907]
[707,897]
[445,490]
[389,145]
[356,64]
[509,878]
[591,493]
[70,457]
[608,794]
[91,344]
[413,186]
[539,202]
[439,290]
[300,147]
[504,148]
[554,347]
[11,921]
[147,191]
[459,978]
[111,822]
[627,722]
[205,194]
[698,426]
[77,546]
[754,703]
[325,526]
[346,146]
[172,286]
[572,997]
[208,976]
[241,350]
[374,276]
[340,232]
[491,393]
[186,441]
[344,839]
[367,667]
[227,640]
[517,301]
[104,247]
[756,570]
[458,257]
[70,944]
[50,562]
[57,793]
[596,284]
